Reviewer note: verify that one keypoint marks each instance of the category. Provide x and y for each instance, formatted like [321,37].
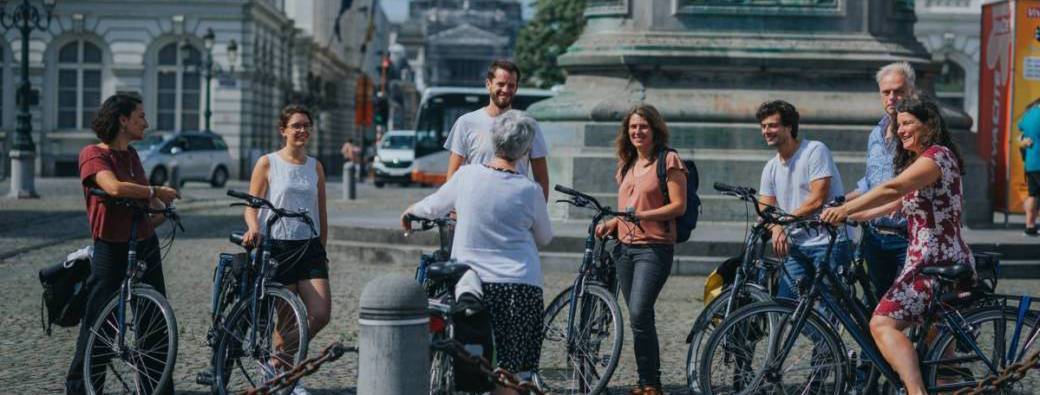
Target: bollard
[352,184]
[394,348]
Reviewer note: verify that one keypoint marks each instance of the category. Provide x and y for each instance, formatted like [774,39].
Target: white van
[394,157]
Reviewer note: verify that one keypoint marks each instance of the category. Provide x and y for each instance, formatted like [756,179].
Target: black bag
[64,293]
[686,223]
[473,330]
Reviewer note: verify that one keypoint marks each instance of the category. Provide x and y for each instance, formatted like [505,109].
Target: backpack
[686,223]
[64,290]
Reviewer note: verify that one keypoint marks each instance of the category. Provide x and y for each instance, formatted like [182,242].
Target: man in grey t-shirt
[470,138]
[800,179]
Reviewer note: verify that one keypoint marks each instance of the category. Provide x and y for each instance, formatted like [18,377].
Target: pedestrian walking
[1030,142]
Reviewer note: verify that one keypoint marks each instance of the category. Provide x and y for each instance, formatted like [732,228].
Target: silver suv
[193,156]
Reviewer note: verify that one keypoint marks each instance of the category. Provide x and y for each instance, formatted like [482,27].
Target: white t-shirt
[470,137]
[789,182]
[502,219]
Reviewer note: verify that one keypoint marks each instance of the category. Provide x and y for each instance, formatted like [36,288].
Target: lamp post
[25,17]
[206,65]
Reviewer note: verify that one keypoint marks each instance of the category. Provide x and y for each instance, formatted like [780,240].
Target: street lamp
[26,18]
[207,65]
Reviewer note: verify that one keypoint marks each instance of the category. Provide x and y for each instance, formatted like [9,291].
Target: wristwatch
[151,191]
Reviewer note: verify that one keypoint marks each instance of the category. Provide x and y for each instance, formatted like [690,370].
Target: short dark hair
[504,64]
[106,122]
[288,111]
[788,114]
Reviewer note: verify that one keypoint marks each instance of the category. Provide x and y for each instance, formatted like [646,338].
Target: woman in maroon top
[113,166]
[928,192]
[647,249]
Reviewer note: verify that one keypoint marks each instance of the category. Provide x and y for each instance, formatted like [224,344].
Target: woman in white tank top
[292,180]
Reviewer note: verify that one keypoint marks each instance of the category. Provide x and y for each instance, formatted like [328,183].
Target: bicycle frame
[578,287]
[740,277]
[126,289]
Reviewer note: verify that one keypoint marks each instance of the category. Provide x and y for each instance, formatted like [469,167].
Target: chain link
[287,379]
[1008,376]
[500,376]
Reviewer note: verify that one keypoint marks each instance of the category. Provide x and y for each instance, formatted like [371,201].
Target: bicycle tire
[558,372]
[709,320]
[995,325]
[442,374]
[144,301]
[254,366]
[761,321]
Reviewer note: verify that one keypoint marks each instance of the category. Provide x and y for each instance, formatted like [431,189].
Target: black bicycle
[134,338]
[783,347]
[583,327]
[259,328]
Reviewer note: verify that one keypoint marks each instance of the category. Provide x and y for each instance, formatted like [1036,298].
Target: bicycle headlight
[713,286]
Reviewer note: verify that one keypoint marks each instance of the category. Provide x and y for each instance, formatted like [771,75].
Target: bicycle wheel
[737,356]
[584,364]
[144,363]
[709,320]
[442,375]
[952,363]
[253,351]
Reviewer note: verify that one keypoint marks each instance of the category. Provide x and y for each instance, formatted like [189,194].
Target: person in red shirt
[113,166]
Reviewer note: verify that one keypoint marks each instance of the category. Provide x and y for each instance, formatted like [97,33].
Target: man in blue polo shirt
[1030,141]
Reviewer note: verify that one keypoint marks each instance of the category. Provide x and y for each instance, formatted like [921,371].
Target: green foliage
[556,25]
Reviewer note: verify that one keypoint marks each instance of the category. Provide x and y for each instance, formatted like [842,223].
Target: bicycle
[762,345]
[265,332]
[584,316]
[438,274]
[754,276]
[136,328]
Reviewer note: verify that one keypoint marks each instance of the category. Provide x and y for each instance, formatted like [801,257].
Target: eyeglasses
[299,126]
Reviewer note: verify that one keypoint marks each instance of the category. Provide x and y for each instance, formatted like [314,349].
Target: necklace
[501,169]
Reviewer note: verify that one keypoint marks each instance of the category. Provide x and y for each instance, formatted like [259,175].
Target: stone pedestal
[708,64]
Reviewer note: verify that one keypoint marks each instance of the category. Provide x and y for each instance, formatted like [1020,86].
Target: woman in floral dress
[928,191]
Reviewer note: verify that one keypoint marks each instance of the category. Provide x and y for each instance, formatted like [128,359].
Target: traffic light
[381,110]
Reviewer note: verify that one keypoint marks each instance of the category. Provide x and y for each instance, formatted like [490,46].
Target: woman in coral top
[647,248]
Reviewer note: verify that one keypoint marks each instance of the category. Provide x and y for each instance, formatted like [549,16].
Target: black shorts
[299,260]
[1033,183]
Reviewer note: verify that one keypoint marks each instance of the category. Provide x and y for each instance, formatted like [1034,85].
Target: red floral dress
[933,216]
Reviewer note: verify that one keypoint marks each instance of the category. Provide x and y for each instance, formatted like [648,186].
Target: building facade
[286,53]
[949,30]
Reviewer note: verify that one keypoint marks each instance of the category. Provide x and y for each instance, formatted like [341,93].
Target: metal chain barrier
[500,376]
[287,379]
[1008,376]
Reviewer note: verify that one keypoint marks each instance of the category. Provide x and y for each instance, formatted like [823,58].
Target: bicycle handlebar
[139,206]
[427,223]
[580,199]
[259,202]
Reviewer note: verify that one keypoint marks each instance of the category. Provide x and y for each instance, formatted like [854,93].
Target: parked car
[394,156]
[194,156]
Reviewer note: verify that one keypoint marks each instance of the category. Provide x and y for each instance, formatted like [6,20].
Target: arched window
[178,85]
[79,84]
[949,87]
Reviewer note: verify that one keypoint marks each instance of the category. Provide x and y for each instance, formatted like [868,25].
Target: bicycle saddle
[446,271]
[949,273]
[236,237]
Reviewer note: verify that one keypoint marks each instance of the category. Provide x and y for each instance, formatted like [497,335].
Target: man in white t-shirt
[800,180]
[470,138]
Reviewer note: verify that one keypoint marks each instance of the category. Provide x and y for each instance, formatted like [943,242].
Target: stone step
[736,136]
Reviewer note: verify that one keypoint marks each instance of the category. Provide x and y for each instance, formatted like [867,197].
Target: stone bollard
[394,348]
[349,181]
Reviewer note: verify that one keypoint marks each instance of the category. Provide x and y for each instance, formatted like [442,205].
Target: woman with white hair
[502,219]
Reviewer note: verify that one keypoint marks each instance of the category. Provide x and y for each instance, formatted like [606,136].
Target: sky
[397,10]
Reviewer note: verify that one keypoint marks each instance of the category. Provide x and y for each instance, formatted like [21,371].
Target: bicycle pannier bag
[686,223]
[64,290]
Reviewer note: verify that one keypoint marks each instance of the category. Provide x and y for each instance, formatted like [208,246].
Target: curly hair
[788,114]
[626,152]
[106,123]
[936,132]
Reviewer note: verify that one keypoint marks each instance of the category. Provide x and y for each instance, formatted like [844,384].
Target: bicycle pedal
[204,378]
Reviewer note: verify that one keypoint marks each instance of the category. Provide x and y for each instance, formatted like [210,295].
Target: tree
[556,25]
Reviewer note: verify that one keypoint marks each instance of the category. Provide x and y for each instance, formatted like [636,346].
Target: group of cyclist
[497,187]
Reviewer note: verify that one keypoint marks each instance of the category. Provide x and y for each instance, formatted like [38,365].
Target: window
[949,87]
[179,84]
[79,84]
[200,143]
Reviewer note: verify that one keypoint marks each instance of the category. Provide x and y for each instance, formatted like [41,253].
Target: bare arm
[540,171]
[883,198]
[257,187]
[779,236]
[818,189]
[881,211]
[455,161]
[322,213]
[107,181]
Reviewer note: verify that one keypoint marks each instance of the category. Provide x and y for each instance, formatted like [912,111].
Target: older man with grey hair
[502,219]
[884,240]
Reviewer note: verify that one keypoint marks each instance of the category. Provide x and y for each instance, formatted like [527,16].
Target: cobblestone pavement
[33,363]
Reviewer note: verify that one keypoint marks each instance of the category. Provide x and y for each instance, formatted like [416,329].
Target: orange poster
[995,97]
[1025,89]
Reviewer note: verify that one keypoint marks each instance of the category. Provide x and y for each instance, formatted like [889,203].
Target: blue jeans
[885,256]
[840,256]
